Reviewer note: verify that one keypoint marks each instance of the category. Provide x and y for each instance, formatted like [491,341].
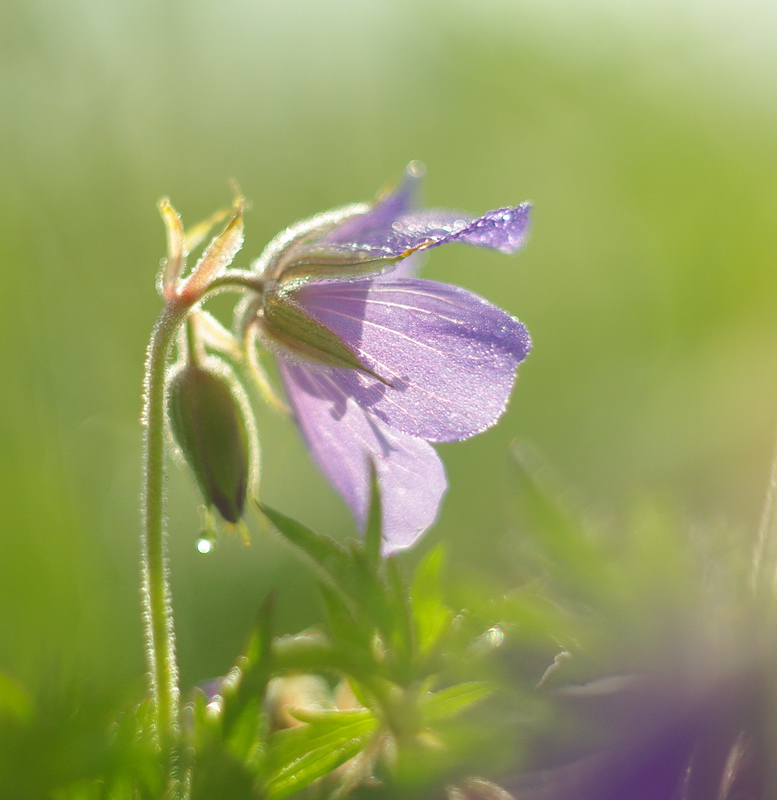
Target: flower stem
[156,594]
[157,608]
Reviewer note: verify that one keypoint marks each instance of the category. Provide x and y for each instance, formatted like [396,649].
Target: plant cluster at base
[631,661]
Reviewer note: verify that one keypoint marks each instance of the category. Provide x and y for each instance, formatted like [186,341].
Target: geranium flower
[377,363]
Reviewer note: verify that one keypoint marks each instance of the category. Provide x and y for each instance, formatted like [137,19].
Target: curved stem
[236,280]
[157,609]
[156,594]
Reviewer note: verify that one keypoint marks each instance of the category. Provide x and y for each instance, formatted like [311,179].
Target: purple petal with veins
[343,439]
[445,359]
[448,356]
[504,229]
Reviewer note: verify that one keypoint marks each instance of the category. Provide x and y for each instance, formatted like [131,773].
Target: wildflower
[376,363]
[677,739]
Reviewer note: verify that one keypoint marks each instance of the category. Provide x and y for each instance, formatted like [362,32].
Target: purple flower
[686,738]
[377,363]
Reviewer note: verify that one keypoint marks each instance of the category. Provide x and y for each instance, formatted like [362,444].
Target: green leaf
[301,755]
[347,570]
[15,701]
[373,533]
[367,587]
[431,617]
[403,638]
[260,641]
[454,700]
[342,622]
[331,717]
[241,720]
[329,557]
[366,601]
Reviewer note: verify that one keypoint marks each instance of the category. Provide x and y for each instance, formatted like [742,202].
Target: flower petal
[343,438]
[503,229]
[375,224]
[448,356]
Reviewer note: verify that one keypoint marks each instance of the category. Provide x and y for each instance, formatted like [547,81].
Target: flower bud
[211,424]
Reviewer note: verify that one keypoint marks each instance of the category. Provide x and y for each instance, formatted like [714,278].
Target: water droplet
[494,636]
[205,545]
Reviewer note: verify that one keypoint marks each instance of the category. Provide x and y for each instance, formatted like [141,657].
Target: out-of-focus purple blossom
[699,739]
[377,363]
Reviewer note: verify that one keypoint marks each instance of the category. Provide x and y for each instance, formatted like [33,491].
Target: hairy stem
[156,594]
[157,609]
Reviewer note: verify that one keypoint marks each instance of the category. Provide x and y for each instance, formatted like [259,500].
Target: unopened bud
[209,419]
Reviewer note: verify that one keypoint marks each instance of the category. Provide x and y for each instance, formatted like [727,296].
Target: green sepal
[322,261]
[285,323]
[210,428]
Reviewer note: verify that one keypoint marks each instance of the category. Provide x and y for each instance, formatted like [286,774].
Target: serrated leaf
[330,558]
[326,730]
[347,570]
[454,700]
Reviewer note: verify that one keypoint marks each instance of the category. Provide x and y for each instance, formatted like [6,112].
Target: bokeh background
[645,134]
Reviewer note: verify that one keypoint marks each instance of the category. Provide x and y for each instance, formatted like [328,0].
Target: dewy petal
[503,229]
[448,356]
[343,438]
[375,224]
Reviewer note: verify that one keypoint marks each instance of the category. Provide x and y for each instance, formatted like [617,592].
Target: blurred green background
[644,133]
